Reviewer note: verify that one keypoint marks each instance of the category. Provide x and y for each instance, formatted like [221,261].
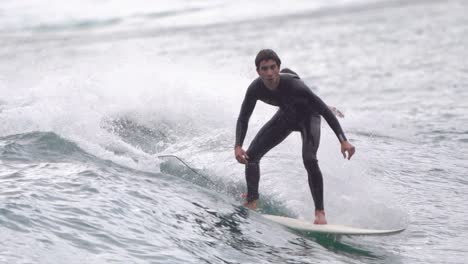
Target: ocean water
[117,130]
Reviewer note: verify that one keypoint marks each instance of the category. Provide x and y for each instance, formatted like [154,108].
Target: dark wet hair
[267,54]
[287,70]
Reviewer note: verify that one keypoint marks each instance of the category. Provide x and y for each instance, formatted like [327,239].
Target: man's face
[268,71]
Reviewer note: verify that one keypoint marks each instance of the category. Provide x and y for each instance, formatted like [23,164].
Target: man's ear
[258,71]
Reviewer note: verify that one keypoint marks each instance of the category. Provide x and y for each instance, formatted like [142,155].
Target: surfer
[299,110]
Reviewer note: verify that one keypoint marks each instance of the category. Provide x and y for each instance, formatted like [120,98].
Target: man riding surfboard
[299,110]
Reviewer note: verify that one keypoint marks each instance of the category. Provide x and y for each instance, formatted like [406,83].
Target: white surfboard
[328,229]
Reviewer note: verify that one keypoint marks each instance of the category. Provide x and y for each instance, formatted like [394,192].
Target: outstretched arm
[347,149]
[335,111]
[247,108]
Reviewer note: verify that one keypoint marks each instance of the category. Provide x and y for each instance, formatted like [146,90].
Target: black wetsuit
[299,110]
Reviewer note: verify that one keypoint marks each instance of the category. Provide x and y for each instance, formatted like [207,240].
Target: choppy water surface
[91,100]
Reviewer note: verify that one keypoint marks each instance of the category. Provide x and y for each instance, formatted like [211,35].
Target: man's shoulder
[256,84]
[291,80]
[289,76]
[256,81]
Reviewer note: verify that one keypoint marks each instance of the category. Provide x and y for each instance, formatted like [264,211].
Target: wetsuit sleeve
[318,105]
[247,108]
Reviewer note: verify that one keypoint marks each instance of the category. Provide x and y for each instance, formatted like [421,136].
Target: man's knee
[253,157]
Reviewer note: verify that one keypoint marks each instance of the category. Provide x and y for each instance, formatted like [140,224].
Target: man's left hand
[347,147]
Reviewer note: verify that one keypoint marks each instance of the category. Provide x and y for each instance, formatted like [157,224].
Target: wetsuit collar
[277,87]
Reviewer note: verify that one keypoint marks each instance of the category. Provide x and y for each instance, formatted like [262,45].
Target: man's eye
[266,68]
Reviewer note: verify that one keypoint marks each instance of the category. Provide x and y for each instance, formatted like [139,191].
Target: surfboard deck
[299,225]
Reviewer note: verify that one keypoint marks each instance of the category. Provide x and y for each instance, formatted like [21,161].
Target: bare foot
[320,217]
[251,205]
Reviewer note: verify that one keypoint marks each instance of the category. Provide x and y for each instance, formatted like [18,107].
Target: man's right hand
[240,154]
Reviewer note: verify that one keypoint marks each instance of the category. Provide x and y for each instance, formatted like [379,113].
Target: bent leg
[310,132]
[270,135]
